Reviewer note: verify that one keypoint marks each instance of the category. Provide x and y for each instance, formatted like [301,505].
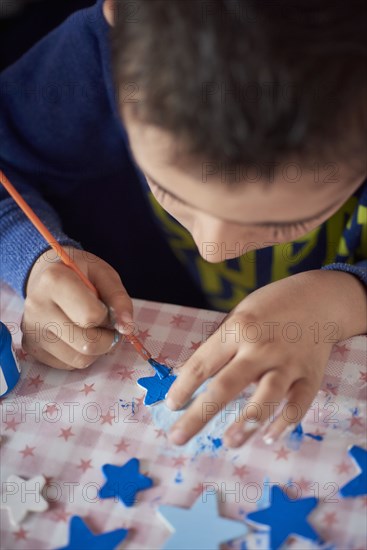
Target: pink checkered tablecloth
[66,425]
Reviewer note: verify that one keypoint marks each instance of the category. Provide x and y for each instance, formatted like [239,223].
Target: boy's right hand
[64,324]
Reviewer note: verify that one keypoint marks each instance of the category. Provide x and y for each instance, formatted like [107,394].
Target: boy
[247,123]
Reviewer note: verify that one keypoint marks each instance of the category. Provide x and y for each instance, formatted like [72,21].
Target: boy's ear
[108,11]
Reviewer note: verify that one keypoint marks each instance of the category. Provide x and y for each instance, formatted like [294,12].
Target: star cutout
[286,516]
[124,481]
[27,451]
[23,497]
[358,485]
[303,484]
[11,425]
[21,534]
[126,373]
[81,537]
[282,453]
[88,388]
[157,388]
[161,358]
[107,418]
[122,446]
[188,525]
[85,465]
[35,381]
[66,433]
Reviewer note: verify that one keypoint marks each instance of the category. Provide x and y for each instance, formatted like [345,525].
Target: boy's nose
[217,240]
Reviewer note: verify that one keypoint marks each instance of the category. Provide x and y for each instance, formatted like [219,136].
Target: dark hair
[243,81]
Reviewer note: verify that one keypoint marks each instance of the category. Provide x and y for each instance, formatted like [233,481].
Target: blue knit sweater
[63,146]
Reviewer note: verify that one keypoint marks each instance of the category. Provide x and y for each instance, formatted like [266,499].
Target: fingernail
[268,439]
[126,317]
[177,436]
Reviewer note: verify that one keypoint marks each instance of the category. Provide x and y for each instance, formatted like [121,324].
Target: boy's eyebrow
[305,220]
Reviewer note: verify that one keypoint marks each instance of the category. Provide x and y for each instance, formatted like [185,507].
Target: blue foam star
[157,387]
[124,481]
[358,485]
[286,516]
[200,527]
[81,537]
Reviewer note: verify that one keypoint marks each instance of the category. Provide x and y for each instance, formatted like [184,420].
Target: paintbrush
[161,370]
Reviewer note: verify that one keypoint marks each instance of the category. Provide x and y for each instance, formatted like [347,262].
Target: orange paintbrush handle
[60,251]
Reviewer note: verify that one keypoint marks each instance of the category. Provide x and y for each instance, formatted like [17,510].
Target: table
[67,424]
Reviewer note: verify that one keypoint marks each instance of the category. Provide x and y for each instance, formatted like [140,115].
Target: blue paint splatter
[297,436]
[178,478]
[217,442]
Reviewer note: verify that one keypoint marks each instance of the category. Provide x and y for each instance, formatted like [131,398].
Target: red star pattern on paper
[161,358]
[11,425]
[88,388]
[356,421]
[21,534]
[198,489]
[51,409]
[143,334]
[121,446]
[364,501]
[85,465]
[195,345]
[179,461]
[240,471]
[341,349]
[21,354]
[61,515]
[363,376]
[126,373]
[303,484]
[329,519]
[139,401]
[66,433]
[27,451]
[343,467]
[177,320]
[107,418]
[160,433]
[35,381]
[282,453]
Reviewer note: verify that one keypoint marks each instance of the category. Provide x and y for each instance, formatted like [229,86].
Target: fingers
[64,288]
[238,374]
[300,398]
[204,363]
[272,389]
[113,293]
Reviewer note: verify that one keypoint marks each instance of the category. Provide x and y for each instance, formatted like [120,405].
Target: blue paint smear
[297,436]
[178,478]
[217,442]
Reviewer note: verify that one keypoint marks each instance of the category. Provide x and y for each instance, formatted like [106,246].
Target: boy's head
[250,116]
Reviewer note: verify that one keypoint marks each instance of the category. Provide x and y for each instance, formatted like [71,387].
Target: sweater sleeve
[53,104]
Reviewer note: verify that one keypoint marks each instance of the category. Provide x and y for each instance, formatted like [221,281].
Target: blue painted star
[200,527]
[358,485]
[286,516]
[124,481]
[157,387]
[81,537]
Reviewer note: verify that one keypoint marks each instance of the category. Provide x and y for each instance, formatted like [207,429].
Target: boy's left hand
[280,337]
